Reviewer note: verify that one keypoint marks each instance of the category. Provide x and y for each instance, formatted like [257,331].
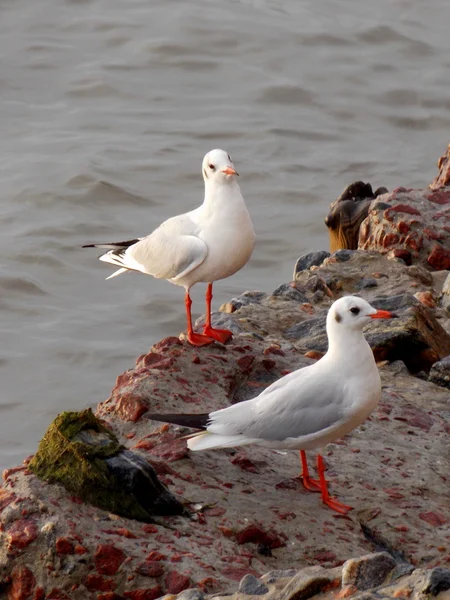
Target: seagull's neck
[223,196]
[349,348]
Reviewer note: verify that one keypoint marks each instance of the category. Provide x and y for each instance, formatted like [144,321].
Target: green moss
[72,453]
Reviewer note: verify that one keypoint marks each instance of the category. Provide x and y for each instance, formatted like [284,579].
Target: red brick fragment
[108,559]
[433,518]
[156,361]
[244,463]
[403,227]
[167,343]
[176,582]
[23,582]
[149,529]
[131,407]
[21,533]
[150,569]
[325,556]
[440,197]
[172,451]
[8,472]
[439,258]
[255,534]
[404,255]
[245,363]
[57,594]
[39,594]
[99,583]
[403,208]
[273,350]
[237,573]
[390,239]
[155,556]
[109,596]
[5,499]
[64,546]
[145,594]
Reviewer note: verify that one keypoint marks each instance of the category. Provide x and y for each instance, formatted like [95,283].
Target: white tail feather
[116,273]
[205,441]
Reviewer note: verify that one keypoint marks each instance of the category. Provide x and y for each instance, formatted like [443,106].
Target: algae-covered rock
[81,454]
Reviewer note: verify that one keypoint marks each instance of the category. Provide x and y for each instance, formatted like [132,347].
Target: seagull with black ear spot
[212,242]
[308,408]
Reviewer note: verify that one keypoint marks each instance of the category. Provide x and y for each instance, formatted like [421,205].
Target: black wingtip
[195,421]
[88,246]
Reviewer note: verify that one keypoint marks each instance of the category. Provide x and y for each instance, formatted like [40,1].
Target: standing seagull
[308,408]
[212,242]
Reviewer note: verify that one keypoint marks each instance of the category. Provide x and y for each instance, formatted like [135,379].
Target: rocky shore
[249,529]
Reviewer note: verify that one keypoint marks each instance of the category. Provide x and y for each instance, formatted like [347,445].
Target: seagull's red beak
[384,314]
[229,171]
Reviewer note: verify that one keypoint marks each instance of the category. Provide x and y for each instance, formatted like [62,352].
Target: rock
[273,576]
[416,338]
[191,595]
[81,454]
[244,299]
[369,571]
[348,212]
[342,255]
[392,469]
[290,292]
[309,260]
[251,586]
[414,227]
[437,581]
[440,373]
[443,177]
[367,282]
[307,583]
[23,583]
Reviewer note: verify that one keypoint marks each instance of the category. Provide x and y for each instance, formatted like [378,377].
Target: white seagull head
[352,312]
[218,167]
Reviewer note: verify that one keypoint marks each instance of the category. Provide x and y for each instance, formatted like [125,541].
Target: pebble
[250,585]
[309,260]
[367,571]
[290,293]
[437,580]
[440,373]
[191,595]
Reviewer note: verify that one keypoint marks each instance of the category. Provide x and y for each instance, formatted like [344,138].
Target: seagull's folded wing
[302,404]
[165,255]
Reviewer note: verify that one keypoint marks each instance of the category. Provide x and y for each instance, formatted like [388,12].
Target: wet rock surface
[249,514]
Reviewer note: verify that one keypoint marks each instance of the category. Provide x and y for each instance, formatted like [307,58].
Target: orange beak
[384,314]
[229,171]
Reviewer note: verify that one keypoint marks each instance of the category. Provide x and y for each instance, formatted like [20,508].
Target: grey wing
[171,251]
[296,408]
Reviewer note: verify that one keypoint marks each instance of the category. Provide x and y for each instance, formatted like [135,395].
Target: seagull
[307,408]
[209,243]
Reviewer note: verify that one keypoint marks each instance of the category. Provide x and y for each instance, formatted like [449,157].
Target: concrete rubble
[253,531]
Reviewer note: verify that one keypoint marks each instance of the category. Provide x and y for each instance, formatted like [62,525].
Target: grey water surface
[107,108]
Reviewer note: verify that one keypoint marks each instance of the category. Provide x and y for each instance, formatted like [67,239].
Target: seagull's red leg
[221,335]
[326,498]
[313,485]
[196,339]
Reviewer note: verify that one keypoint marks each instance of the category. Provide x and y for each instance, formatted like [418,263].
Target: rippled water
[107,109]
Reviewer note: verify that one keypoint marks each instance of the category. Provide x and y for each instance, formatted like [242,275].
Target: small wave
[286,94]
[22,285]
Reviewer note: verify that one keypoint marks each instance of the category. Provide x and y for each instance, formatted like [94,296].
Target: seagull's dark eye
[212,167]
[354,310]
[229,158]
